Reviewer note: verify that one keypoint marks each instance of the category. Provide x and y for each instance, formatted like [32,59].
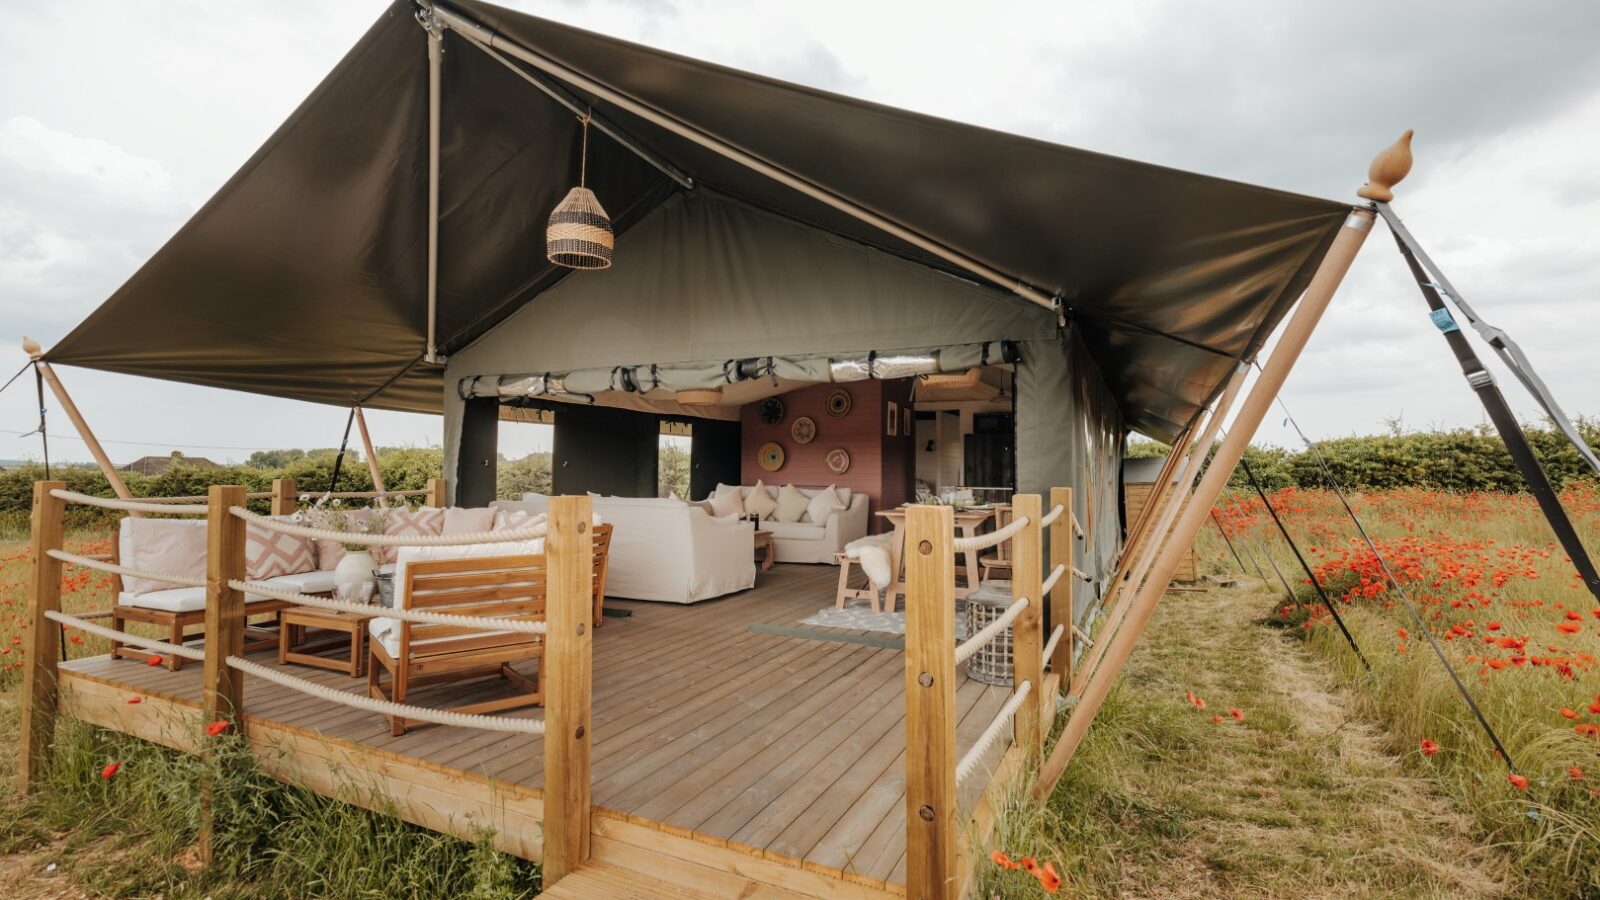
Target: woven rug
[857,615]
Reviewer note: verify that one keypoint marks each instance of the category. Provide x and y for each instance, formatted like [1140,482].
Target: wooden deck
[740,757]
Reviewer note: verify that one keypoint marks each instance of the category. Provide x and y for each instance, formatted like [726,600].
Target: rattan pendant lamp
[579,235]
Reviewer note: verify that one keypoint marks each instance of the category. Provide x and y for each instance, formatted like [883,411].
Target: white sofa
[667,550]
[806,541]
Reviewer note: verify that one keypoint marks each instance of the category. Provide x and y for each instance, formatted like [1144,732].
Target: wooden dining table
[968,522]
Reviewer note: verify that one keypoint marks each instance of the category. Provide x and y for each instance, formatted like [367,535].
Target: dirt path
[1302,798]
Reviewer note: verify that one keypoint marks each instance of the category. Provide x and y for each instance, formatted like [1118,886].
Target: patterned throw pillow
[516,520]
[268,554]
[424,520]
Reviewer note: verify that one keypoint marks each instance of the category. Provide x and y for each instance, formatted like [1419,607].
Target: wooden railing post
[436,493]
[566,672]
[222,691]
[1027,632]
[930,703]
[1061,597]
[285,497]
[42,640]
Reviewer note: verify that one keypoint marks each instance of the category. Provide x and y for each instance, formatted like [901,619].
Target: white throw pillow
[791,504]
[171,546]
[823,504]
[760,502]
[725,504]
[516,520]
[462,520]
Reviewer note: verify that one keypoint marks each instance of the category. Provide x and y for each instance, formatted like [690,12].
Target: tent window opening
[525,439]
[672,459]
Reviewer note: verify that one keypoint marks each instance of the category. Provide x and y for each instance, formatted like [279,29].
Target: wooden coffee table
[764,542]
[351,627]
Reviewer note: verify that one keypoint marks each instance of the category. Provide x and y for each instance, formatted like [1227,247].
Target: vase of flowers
[354,576]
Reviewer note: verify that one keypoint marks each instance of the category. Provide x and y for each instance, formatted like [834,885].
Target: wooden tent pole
[372,459]
[36,353]
[1136,533]
[1312,305]
[1172,501]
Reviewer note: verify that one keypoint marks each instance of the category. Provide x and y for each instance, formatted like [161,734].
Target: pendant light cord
[583,156]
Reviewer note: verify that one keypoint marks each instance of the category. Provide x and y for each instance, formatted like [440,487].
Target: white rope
[175,509]
[1087,641]
[1050,645]
[114,569]
[387,707]
[1051,516]
[360,495]
[1050,583]
[969,762]
[973,644]
[205,498]
[389,540]
[1082,575]
[991,539]
[124,637]
[477,623]
[1077,529]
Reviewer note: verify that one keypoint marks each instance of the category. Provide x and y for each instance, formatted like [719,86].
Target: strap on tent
[1509,352]
[1505,422]
[44,435]
[338,461]
[1227,540]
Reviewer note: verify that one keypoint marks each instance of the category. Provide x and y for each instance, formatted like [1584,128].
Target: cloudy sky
[118,119]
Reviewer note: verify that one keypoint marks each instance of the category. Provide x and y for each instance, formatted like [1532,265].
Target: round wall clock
[770,456]
[837,403]
[804,430]
[771,410]
[838,460]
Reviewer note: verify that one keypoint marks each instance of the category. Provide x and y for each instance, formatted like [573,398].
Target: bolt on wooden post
[1062,612]
[930,680]
[43,640]
[567,669]
[1027,631]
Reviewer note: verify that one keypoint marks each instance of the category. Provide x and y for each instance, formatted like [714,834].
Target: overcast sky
[119,119]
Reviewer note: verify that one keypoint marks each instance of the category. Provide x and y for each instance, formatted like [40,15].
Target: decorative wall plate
[770,456]
[804,430]
[838,460]
[771,410]
[837,403]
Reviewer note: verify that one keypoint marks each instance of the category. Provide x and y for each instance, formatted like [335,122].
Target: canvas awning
[304,276]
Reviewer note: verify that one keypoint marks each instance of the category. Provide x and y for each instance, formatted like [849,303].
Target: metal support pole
[435,31]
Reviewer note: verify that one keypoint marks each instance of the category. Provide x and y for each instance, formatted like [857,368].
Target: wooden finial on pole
[1388,169]
[31,347]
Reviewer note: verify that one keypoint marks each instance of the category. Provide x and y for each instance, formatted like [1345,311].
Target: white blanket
[873,552]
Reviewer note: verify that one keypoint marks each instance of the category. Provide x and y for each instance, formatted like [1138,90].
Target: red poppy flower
[154,660]
[1588,731]
[1002,860]
[1567,713]
[1049,878]
[110,770]
[1594,707]
[136,699]
[1429,748]
[1575,773]
[1574,615]
[1238,714]
[1404,634]
[1493,626]
[1569,628]
[1030,865]
[1518,781]
[217,727]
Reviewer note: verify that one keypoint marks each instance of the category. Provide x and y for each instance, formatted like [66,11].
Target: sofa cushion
[174,600]
[174,546]
[316,581]
[424,520]
[463,520]
[795,531]
[791,504]
[822,506]
[726,503]
[268,554]
[760,502]
[506,519]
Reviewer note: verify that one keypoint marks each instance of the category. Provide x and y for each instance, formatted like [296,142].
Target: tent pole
[478,33]
[1160,536]
[435,60]
[372,459]
[36,353]
[1295,335]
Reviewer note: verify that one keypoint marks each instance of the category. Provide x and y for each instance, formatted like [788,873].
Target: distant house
[152,466]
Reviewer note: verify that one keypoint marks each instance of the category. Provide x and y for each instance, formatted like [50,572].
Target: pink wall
[880,466]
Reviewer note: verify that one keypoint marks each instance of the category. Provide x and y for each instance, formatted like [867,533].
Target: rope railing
[1081,635]
[202,498]
[389,540]
[149,506]
[992,538]
[1055,576]
[360,495]
[388,707]
[477,623]
[114,569]
[1050,517]
[1081,574]
[974,756]
[989,632]
[124,637]
[1077,527]
[1050,645]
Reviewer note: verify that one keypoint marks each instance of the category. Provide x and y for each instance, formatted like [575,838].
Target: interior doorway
[965,433]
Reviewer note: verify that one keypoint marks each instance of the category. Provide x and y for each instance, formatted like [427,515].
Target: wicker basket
[992,664]
[579,235]
[700,396]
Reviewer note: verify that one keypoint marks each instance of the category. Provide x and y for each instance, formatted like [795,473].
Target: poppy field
[1488,585]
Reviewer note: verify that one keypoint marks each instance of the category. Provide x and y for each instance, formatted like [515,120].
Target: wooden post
[1027,632]
[930,703]
[1295,334]
[285,497]
[35,352]
[1062,611]
[436,493]
[42,641]
[372,459]
[568,664]
[222,691]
